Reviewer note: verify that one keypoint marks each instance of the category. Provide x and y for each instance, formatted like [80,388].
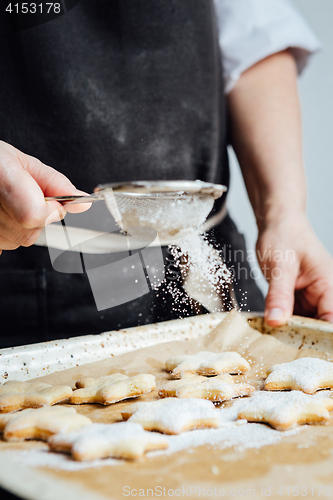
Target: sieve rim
[163,189]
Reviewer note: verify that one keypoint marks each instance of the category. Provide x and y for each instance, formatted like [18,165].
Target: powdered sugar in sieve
[172,208]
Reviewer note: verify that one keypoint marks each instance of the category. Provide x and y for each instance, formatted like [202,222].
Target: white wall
[316,91]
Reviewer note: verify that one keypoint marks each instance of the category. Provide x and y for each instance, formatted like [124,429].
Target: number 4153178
[34,8]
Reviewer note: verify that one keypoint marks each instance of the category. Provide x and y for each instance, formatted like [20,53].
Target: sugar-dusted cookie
[41,423]
[285,410]
[4,418]
[18,395]
[304,374]
[112,388]
[207,363]
[220,388]
[120,440]
[172,415]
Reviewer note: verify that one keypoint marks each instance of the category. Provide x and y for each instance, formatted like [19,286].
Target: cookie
[41,423]
[207,363]
[112,388]
[304,374]
[120,440]
[4,418]
[18,395]
[220,388]
[285,410]
[172,415]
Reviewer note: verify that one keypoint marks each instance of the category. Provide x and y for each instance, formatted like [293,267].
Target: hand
[298,268]
[24,181]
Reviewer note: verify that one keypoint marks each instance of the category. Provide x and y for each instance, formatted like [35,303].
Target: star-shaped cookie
[207,363]
[120,440]
[18,395]
[112,388]
[304,374]
[219,388]
[285,410]
[172,415]
[40,423]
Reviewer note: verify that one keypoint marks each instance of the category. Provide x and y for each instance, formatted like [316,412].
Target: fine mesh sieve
[172,208]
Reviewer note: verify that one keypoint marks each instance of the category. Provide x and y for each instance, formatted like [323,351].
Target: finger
[14,233]
[280,297]
[23,189]
[326,317]
[325,304]
[22,198]
[75,208]
[31,238]
[25,240]
[7,245]
[53,183]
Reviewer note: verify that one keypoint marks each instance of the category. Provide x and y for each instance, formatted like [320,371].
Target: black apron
[109,91]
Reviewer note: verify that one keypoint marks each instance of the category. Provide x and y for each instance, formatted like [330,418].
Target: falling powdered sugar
[203,257]
[178,218]
[204,275]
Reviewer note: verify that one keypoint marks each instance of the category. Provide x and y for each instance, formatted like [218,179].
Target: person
[129,90]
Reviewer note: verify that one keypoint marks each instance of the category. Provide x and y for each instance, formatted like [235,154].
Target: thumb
[24,181]
[53,183]
[280,297]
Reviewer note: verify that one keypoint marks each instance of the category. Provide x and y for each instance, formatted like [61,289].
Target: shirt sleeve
[250,30]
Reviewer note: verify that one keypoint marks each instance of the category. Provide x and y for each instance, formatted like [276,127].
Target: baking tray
[256,472]
[36,360]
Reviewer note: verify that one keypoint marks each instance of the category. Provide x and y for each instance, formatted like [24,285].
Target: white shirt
[250,30]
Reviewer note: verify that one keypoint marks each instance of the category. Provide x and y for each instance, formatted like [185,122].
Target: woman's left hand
[298,268]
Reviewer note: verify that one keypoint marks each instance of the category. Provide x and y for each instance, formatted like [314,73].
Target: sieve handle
[76,198]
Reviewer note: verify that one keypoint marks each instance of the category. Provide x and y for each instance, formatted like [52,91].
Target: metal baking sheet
[23,363]
[36,360]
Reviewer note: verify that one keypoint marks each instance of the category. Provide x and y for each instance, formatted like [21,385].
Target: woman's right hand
[24,182]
